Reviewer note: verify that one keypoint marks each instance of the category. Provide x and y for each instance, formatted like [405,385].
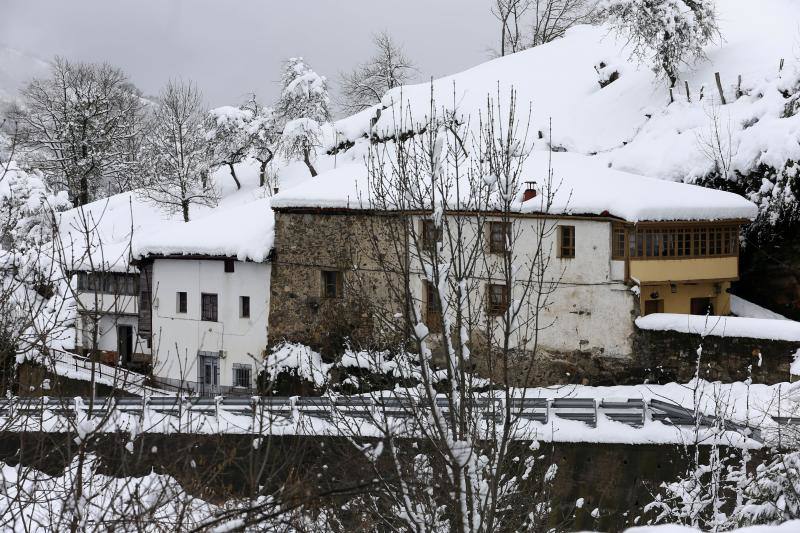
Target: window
[653,306]
[433,308]
[499,237]
[244,306]
[498,298]
[618,243]
[182,302]
[242,375]
[431,235]
[229,265]
[109,283]
[566,242]
[685,242]
[701,306]
[331,284]
[208,307]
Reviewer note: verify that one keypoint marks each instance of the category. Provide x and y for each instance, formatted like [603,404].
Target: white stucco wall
[114,310]
[178,337]
[589,307]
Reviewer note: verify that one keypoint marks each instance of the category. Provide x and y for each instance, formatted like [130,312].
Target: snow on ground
[743,308]
[581,185]
[723,326]
[630,123]
[787,527]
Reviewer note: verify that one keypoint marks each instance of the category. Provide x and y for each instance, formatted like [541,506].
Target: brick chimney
[530,191]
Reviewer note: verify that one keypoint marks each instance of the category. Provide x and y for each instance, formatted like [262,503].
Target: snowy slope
[631,123]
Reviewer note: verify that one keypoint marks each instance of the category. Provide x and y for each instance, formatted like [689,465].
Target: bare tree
[716,143]
[228,135]
[510,14]
[265,136]
[445,292]
[78,126]
[552,18]
[366,84]
[528,23]
[178,161]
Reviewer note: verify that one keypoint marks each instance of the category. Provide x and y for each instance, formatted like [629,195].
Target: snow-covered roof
[243,231]
[97,236]
[581,185]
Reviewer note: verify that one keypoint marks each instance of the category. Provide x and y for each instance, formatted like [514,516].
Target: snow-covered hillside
[630,124]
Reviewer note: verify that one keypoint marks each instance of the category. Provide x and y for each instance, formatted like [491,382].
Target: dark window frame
[182,303]
[242,375]
[430,235]
[331,284]
[209,307]
[433,307]
[566,242]
[229,265]
[244,307]
[497,298]
[499,237]
[619,242]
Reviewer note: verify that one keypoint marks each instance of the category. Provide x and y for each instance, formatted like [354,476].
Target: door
[653,306]
[701,306]
[125,344]
[209,374]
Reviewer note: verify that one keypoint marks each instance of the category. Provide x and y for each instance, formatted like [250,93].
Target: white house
[204,298]
[94,247]
[108,316]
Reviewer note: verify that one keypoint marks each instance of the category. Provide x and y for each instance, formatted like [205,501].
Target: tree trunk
[185,207]
[262,171]
[262,174]
[83,194]
[233,174]
[307,159]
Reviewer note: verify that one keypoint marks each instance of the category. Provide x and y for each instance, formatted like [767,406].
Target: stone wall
[671,356]
[307,244]
[658,357]
[617,479]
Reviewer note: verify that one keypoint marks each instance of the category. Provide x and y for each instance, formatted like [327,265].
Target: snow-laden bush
[772,495]
[666,33]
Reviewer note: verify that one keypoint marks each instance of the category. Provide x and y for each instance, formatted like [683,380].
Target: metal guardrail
[634,412]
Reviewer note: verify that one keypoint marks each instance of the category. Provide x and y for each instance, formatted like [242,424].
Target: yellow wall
[680,300]
[655,270]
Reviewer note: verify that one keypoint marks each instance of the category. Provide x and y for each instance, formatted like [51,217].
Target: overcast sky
[233,47]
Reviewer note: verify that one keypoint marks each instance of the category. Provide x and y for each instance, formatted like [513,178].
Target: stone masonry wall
[307,244]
